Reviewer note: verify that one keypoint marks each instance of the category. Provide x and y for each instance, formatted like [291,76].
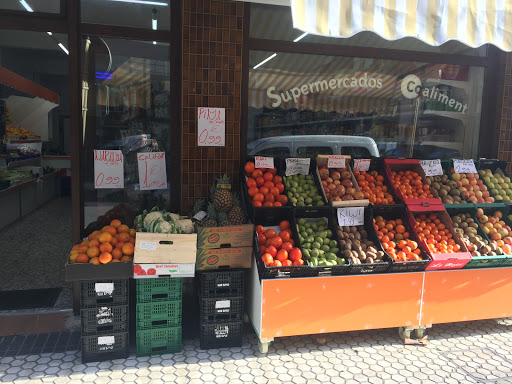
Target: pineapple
[236,214]
[222,198]
[211,220]
[223,219]
[199,205]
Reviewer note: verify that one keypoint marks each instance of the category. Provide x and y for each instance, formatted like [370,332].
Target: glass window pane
[356,152]
[403,108]
[46,6]
[128,110]
[147,14]
[314,151]
[275,23]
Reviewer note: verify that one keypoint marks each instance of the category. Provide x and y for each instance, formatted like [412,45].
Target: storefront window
[46,6]
[147,14]
[127,88]
[344,105]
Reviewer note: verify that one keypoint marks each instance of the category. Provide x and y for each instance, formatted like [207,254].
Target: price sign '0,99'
[432,167]
[108,169]
[211,125]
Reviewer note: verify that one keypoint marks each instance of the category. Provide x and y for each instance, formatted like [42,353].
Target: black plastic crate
[104,320]
[226,309]
[268,217]
[224,335]
[107,347]
[221,283]
[394,212]
[90,298]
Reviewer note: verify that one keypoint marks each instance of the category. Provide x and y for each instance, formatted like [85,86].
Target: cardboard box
[224,237]
[322,160]
[160,254]
[224,257]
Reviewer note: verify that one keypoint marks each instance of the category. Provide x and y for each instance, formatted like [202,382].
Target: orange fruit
[123,228]
[114,241]
[93,252]
[117,253]
[115,223]
[106,247]
[83,249]
[119,245]
[132,240]
[128,249]
[105,237]
[110,230]
[126,258]
[105,258]
[82,258]
[94,243]
[95,261]
[75,247]
[72,257]
[86,242]
[124,237]
[93,235]
[115,261]
[132,232]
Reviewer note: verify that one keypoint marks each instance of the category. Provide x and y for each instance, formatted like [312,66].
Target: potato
[372,250]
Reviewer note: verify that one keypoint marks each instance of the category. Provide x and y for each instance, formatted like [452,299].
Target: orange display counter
[416,300]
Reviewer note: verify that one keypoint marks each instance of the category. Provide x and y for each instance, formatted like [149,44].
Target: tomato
[250,182]
[273,171]
[280,186]
[256,203]
[287,263]
[274,191]
[276,263]
[261,238]
[298,262]
[260,181]
[295,254]
[285,235]
[264,190]
[260,229]
[269,184]
[268,204]
[262,251]
[249,167]
[267,259]
[287,246]
[285,224]
[277,242]
[282,255]
[270,233]
[258,197]
[268,176]
[252,191]
[272,250]
[291,242]
[277,180]
[277,204]
[270,198]
[257,173]
[283,199]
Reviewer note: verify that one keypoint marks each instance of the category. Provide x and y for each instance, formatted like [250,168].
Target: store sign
[211,127]
[412,87]
[152,170]
[108,169]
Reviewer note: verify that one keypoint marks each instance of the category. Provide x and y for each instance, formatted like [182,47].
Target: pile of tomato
[411,185]
[396,240]
[277,249]
[436,235]
[264,187]
[373,187]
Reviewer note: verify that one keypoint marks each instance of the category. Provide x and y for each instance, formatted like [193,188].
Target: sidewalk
[458,353]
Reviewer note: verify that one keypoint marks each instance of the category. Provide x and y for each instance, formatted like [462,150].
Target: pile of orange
[411,185]
[436,235]
[396,240]
[373,188]
[114,243]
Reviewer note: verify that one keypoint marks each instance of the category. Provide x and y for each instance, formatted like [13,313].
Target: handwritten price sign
[351,216]
[464,166]
[432,167]
[108,169]
[152,170]
[297,166]
[336,161]
[211,125]
[361,165]
[264,162]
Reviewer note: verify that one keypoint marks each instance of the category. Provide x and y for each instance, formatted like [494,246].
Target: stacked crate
[104,320]
[158,314]
[221,308]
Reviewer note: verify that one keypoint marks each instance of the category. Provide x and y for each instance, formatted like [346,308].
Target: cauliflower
[186,225]
[173,216]
[150,217]
[163,227]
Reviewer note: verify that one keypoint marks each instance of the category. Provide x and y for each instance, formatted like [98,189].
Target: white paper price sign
[106,340]
[351,216]
[108,169]
[104,288]
[152,170]
[297,166]
[464,166]
[432,167]
[336,161]
[211,127]
[361,165]
[263,162]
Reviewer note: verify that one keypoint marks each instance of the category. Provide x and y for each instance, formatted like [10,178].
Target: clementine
[106,247]
[95,261]
[117,253]
[115,223]
[105,237]
[105,258]
[83,249]
[123,228]
[82,258]
[93,252]
[126,258]
[124,237]
[128,249]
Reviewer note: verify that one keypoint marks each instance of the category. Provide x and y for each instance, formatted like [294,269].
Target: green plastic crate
[158,341]
[157,290]
[489,209]
[476,261]
[159,311]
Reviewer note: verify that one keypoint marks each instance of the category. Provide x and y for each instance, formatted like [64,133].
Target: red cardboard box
[454,260]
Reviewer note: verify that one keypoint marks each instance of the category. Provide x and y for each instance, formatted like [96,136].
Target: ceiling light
[143,2]
[154,42]
[264,61]
[64,48]
[301,37]
[49,33]
[26,6]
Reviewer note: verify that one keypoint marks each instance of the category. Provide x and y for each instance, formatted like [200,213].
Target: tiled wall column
[505,116]
[212,73]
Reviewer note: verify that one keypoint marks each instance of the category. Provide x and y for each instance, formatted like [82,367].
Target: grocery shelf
[19,163]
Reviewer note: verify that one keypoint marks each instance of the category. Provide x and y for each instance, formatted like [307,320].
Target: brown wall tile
[504,109]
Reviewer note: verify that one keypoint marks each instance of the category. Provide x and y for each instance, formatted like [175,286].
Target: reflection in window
[356,152]
[313,152]
[45,6]
[273,152]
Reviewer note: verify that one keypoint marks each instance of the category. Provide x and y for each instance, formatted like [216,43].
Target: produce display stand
[411,301]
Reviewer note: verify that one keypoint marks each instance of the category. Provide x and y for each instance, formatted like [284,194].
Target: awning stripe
[472,22]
